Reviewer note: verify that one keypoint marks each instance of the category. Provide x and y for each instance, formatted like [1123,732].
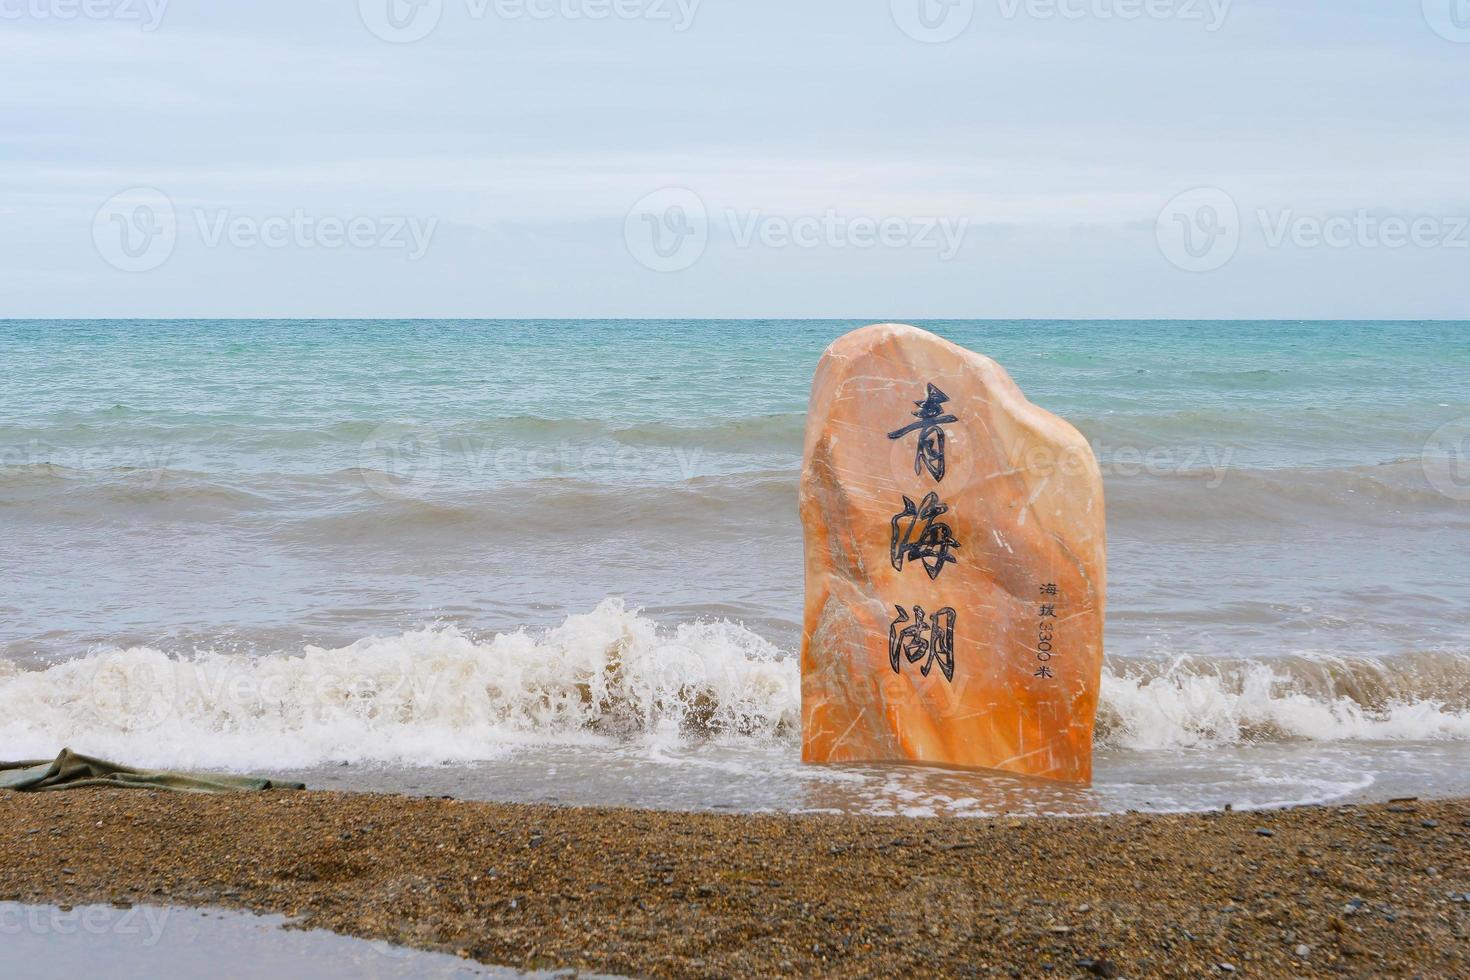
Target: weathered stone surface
[1024,514]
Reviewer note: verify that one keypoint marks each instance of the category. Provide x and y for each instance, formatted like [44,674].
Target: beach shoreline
[1316,890]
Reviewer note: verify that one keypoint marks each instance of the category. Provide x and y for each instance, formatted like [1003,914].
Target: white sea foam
[440,695]
[1186,706]
[431,695]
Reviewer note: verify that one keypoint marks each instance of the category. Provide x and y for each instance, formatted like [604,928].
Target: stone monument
[955,565]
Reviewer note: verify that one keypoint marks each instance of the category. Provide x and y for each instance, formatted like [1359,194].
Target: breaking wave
[1186,703]
[442,695]
[431,695]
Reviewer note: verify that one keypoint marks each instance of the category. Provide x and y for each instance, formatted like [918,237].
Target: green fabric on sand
[72,771]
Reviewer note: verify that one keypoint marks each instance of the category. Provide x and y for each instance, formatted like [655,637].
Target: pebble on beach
[693,894]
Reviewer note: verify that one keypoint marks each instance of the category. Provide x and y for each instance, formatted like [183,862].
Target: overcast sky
[865,159]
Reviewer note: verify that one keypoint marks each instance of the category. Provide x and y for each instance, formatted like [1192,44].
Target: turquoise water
[1288,516]
[284,396]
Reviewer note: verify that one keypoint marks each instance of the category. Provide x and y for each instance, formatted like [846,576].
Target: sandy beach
[1350,890]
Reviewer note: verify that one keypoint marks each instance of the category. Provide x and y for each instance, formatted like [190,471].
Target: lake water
[562,559]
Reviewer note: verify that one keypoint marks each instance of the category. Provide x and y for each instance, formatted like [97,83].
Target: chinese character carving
[923,639]
[1046,631]
[917,536]
[930,452]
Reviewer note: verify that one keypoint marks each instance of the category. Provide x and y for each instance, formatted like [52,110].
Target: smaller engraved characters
[930,452]
[1046,631]
[917,536]
[923,638]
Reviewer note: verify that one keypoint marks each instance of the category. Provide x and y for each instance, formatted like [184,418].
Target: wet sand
[1353,890]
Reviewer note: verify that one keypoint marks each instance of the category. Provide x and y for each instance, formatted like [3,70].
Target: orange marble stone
[961,629]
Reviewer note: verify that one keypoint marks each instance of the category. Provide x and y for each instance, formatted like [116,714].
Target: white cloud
[528,141]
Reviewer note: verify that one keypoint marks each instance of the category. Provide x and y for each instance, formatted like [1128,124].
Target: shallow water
[563,558]
[744,778]
[144,942]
